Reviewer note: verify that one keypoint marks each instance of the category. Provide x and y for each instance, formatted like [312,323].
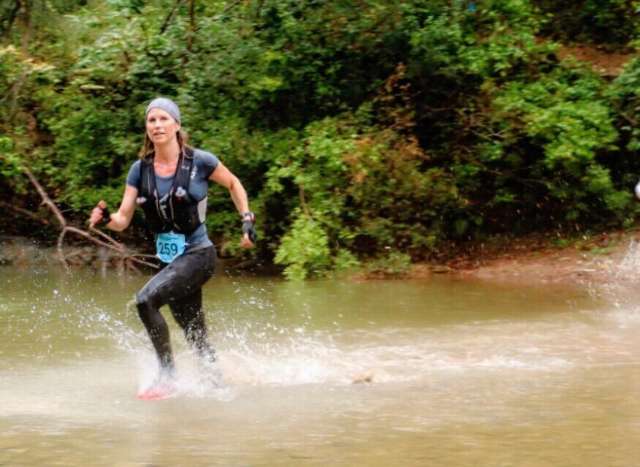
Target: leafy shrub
[624,94]
[392,264]
[552,134]
[360,129]
[614,22]
[304,249]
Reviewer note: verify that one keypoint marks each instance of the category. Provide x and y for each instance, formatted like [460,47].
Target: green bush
[304,249]
[363,131]
[609,22]
[567,127]
[393,264]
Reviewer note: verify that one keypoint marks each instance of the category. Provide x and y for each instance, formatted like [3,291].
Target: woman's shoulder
[133,176]
[205,158]
[202,154]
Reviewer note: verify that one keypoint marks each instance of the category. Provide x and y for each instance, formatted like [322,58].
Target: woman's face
[161,127]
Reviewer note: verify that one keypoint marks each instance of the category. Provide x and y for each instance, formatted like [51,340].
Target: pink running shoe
[159,390]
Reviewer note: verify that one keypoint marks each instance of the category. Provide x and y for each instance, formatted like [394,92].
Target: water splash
[629,267]
[620,284]
[259,351]
[259,346]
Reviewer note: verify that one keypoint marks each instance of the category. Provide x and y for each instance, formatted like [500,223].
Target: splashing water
[620,285]
[258,346]
[450,373]
[629,267]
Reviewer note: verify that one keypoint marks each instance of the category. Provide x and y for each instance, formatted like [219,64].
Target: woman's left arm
[223,176]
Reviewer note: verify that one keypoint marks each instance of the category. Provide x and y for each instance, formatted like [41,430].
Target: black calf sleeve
[158,333]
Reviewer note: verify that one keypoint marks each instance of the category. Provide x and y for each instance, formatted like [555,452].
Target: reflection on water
[450,373]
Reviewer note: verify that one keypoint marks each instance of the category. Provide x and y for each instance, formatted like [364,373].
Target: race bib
[169,246]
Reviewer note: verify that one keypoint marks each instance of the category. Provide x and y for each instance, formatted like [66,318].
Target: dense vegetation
[364,131]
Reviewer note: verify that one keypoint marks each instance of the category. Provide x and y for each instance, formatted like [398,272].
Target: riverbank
[541,260]
[532,260]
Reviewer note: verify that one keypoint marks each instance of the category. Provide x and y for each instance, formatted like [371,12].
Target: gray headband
[164,104]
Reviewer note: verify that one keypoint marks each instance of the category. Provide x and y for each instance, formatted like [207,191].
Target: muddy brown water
[461,373]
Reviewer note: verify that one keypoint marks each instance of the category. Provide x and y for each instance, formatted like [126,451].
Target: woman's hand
[224,177]
[248,230]
[99,214]
[246,242]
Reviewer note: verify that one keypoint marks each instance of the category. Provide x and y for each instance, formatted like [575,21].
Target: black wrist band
[248,216]
[106,216]
[249,229]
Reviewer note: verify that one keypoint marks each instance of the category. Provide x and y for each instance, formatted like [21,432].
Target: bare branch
[234,3]
[100,233]
[192,25]
[107,242]
[303,201]
[11,18]
[61,250]
[83,233]
[24,212]
[45,198]
[134,259]
[14,92]
[169,17]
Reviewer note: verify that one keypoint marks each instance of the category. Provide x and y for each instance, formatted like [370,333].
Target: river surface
[439,372]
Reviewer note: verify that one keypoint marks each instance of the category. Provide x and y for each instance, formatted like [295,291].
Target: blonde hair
[147,147]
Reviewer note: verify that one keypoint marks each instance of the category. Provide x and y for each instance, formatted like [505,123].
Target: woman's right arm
[121,219]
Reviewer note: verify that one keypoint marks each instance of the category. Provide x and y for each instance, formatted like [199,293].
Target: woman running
[169,182]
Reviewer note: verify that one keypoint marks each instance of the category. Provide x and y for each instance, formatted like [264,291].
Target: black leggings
[179,285]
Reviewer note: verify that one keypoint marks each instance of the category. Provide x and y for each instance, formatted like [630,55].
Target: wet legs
[149,311]
[179,285]
[188,314]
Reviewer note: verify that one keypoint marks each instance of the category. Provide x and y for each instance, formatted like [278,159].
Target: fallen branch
[127,258]
[24,212]
[45,198]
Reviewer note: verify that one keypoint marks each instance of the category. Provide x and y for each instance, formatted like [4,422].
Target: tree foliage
[608,23]
[363,131]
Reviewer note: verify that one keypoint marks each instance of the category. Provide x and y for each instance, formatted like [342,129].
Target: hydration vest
[176,211]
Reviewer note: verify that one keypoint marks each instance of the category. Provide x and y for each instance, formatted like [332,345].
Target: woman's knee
[148,310]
